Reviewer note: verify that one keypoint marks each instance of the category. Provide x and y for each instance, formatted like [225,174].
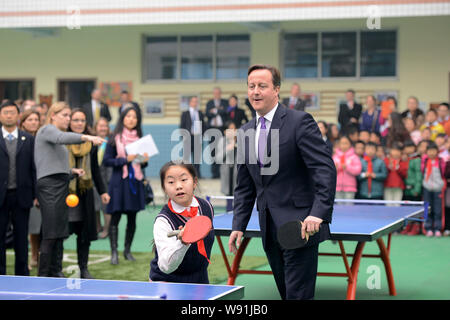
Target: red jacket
[397,174]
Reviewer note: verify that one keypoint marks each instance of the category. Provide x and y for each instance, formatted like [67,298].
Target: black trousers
[19,218]
[295,271]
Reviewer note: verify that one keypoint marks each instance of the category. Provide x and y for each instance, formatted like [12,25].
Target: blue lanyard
[131,180]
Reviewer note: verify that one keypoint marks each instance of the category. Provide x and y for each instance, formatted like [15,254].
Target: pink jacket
[346,178]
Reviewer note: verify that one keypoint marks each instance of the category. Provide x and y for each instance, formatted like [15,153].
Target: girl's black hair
[188,166]
[119,126]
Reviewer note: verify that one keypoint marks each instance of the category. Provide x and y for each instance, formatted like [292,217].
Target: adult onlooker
[396,130]
[216,114]
[349,112]
[17,186]
[82,220]
[413,110]
[294,101]
[193,121]
[371,117]
[414,133]
[95,108]
[126,102]
[234,113]
[53,175]
[323,127]
[102,130]
[30,122]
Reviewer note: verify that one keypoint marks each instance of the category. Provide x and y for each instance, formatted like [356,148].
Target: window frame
[178,79]
[358,76]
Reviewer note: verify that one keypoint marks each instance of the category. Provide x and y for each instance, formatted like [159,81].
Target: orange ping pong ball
[72,200]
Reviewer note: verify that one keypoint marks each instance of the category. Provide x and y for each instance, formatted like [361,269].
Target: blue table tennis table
[358,222]
[39,288]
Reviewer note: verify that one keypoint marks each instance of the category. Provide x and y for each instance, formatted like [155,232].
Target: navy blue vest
[193,269]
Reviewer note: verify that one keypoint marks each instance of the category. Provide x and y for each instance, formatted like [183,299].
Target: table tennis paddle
[195,229]
[290,235]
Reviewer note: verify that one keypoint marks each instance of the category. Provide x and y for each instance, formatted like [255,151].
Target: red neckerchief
[369,170]
[429,165]
[342,161]
[193,211]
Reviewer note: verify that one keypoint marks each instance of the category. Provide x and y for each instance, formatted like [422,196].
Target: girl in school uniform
[176,261]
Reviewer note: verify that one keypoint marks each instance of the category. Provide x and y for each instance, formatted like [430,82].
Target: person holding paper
[125,187]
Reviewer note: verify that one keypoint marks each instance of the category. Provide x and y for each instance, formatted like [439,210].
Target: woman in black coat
[82,218]
[125,187]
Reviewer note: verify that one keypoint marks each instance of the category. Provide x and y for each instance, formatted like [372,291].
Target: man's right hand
[235,241]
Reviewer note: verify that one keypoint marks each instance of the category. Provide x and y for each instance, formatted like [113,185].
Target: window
[340,54]
[161,57]
[378,52]
[16,89]
[300,55]
[232,57]
[196,57]
[206,57]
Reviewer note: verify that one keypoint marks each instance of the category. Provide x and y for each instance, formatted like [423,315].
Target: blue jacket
[379,168]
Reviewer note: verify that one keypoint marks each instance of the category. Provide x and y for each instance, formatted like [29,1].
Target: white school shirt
[269,117]
[171,251]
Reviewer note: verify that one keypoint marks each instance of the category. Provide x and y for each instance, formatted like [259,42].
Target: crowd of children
[394,166]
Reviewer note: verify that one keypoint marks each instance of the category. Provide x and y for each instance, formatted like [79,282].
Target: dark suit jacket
[222,110]
[304,185]
[300,105]
[25,170]
[239,118]
[186,121]
[345,114]
[104,112]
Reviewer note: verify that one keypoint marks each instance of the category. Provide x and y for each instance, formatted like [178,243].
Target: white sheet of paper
[144,144]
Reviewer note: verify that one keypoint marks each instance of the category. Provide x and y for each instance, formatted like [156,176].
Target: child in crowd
[441,142]
[432,123]
[380,153]
[413,181]
[433,169]
[364,136]
[372,175]
[359,148]
[176,261]
[397,170]
[348,167]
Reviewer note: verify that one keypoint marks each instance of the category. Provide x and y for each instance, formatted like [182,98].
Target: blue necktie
[262,141]
[10,137]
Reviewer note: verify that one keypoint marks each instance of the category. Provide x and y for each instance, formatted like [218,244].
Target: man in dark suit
[349,112]
[95,108]
[294,101]
[294,178]
[126,103]
[192,120]
[17,186]
[216,113]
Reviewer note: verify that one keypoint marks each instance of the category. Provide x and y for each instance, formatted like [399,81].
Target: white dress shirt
[5,133]
[269,117]
[196,126]
[171,251]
